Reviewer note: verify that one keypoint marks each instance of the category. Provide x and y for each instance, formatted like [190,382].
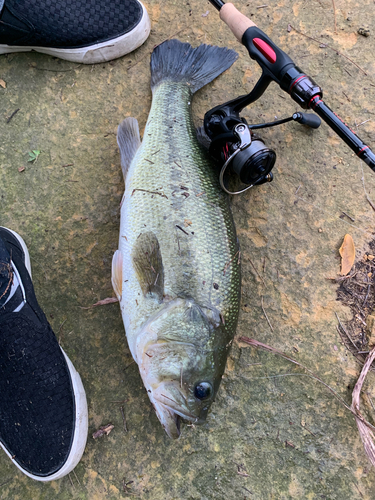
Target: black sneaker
[43,409]
[84,31]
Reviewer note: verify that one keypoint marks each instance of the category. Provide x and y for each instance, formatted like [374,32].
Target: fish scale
[176,272]
[193,262]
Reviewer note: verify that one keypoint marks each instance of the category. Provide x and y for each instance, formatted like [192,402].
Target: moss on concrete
[273,433]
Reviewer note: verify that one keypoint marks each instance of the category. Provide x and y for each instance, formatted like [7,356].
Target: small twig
[259,276]
[363,122]
[364,189]
[131,66]
[349,337]
[71,482]
[104,302]
[123,418]
[367,294]
[365,432]
[183,230]
[359,491]
[12,115]
[348,216]
[268,321]
[56,70]
[346,333]
[74,472]
[256,343]
[329,47]
[171,36]
[308,430]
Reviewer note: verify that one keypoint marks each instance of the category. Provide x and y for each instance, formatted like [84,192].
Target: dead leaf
[104,429]
[3,84]
[21,169]
[347,252]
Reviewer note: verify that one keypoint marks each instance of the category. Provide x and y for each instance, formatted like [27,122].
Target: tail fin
[179,62]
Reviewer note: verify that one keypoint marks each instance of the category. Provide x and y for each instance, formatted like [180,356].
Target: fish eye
[203,390]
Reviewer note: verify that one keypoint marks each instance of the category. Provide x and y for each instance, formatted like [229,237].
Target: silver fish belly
[176,272]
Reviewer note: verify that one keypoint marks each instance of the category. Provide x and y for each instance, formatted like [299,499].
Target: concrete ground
[273,433]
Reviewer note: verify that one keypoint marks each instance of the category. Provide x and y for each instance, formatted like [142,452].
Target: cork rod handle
[237,22]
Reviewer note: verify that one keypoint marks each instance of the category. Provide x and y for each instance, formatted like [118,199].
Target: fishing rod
[232,141]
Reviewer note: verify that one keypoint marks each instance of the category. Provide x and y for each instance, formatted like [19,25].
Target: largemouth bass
[176,272]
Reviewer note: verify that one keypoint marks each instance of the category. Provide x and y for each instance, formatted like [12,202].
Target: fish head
[178,364]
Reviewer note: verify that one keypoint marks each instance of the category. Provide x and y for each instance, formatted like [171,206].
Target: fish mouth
[169,419]
[170,409]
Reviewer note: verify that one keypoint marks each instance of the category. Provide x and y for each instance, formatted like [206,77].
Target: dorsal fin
[128,140]
[148,264]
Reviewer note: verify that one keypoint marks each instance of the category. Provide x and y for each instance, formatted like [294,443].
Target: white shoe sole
[81,420]
[98,53]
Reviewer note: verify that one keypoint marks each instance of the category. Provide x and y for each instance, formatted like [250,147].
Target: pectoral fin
[148,264]
[117,273]
[209,313]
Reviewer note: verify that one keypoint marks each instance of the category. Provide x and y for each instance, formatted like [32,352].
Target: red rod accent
[359,152]
[315,103]
[295,81]
[265,49]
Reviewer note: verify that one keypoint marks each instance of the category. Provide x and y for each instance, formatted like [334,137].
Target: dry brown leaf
[3,84]
[104,429]
[109,300]
[347,252]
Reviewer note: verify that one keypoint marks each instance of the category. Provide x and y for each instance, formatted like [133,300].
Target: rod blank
[217,4]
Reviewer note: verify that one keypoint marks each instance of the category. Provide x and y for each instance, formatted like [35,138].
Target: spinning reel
[233,143]
[235,146]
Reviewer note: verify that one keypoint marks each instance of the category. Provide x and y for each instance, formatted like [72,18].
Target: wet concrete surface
[273,433]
